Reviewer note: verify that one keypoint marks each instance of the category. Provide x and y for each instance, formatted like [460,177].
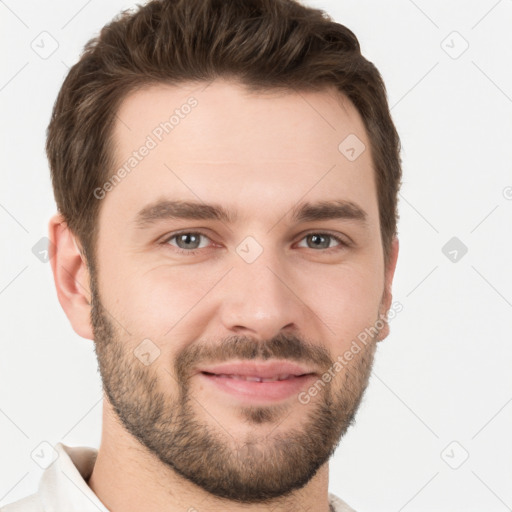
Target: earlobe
[71,276]
[387,296]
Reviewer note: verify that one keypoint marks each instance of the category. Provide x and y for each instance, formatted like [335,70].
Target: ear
[71,276]
[387,296]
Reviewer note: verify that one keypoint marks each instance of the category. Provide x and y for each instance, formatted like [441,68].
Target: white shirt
[63,486]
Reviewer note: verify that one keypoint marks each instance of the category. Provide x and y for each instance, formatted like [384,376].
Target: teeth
[250,378]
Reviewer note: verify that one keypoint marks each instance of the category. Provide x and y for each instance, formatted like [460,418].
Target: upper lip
[263,370]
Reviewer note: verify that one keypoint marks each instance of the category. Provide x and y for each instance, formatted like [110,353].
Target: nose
[258,298]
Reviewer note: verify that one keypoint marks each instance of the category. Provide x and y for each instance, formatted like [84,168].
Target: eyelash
[193,252]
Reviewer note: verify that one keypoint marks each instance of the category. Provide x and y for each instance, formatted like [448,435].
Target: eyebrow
[167,209]
[326,210]
[303,212]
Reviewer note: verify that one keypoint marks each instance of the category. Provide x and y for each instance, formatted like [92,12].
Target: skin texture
[170,441]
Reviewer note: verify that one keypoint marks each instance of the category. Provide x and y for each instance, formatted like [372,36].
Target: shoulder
[28,504]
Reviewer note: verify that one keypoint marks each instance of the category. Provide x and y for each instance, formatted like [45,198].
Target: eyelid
[342,241]
[175,234]
[339,237]
[341,246]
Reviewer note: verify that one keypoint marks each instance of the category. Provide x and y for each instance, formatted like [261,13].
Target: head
[248,107]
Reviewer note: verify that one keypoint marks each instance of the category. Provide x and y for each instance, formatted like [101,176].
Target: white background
[443,375]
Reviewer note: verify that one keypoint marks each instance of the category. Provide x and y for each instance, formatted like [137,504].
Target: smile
[254,378]
[258,381]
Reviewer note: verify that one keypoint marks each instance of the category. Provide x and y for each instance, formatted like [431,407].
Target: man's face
[264,286]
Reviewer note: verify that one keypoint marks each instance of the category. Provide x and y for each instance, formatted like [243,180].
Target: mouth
[254,378]
[258,381]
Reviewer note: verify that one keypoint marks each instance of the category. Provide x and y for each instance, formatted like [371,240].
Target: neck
[127,478]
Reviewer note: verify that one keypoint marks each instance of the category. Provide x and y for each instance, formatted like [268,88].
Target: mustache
[282,346]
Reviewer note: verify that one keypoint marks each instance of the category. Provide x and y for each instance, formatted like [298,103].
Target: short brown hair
[263,44]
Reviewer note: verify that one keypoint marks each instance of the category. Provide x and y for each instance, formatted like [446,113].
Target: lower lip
[266,391]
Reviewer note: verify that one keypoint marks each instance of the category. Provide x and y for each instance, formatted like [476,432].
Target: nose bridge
[258,296]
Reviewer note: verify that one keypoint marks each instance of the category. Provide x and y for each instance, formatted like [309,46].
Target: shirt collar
[63,485]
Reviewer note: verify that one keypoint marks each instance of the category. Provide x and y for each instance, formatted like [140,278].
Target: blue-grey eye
[188,241]
[321,240]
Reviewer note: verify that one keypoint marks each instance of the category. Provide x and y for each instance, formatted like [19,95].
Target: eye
[187,242]
[323,241]
[190,243]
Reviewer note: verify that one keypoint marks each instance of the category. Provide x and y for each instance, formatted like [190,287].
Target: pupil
[317,238]
[187,238]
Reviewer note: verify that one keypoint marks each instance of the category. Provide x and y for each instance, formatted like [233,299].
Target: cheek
[164,302]
[347,300]
[159,300]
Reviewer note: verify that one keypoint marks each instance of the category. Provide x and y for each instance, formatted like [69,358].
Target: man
[255,133]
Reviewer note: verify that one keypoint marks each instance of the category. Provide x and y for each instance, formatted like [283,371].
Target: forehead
[208,141]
